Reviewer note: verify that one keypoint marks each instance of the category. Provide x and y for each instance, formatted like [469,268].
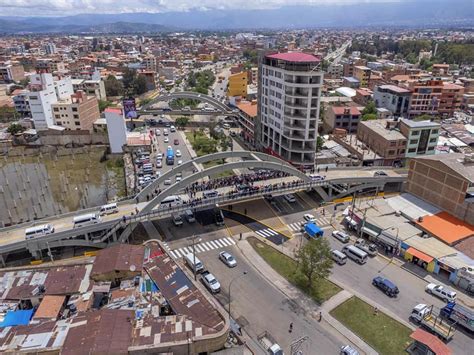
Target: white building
[116,129]
[50,48]
[289,88]
[45,91]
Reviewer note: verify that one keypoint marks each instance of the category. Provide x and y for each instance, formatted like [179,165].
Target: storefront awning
[419,254]
[370,232]
[388,240]
[351,221]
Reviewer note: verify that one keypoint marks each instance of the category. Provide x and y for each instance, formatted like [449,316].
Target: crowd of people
[235,180]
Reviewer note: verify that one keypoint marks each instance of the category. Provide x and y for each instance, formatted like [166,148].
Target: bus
[170,156]
[86,219]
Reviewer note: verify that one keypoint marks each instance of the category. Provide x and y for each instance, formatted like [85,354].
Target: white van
[355,254]
[194,263]
[172,129]
[338,257]
[108,209]
[172,201]
[86,219]
[210,194]
[165,132]
[38,231]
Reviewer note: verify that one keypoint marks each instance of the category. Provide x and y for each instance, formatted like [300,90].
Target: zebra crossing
[266,233]
[320,221]
[201,247]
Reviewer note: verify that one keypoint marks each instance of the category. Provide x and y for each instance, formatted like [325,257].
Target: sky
[72,7]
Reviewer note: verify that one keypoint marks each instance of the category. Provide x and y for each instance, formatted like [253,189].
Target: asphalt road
[258,306]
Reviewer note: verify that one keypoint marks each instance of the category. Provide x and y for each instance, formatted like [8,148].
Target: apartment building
[246,119]
[10,72]
[446,181]
[433,96]
[468,96]
[77,113]
[422,136]
[51,66]
[288,106]
[362,73]
[149,63]
[237,85]
[94,88]
[394,98]
[22,105]
[342,117]
[45,91]
[384,139]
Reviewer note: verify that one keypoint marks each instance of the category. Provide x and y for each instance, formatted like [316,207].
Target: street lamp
[193,239]
[230,284]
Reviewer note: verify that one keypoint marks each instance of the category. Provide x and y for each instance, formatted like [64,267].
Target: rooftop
[122,257]
[380,127]
[394,88]
[294,57]
[341,110]
[420,124]
[446,227]
[455,161]
[250,108]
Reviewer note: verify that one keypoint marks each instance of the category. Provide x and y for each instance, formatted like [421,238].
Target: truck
[312,230]
[210,282]
[170,156]
[269,344]
[424,315]
[459,314]
[370,249]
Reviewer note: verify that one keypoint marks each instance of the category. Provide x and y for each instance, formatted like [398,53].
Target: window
[430,148]
[401,151]
[56,109]
[432,140]
[434,131]
[391,152]
[393,144]
[413,141]
[412,150]
[74,109]
[415,133]
[77,123]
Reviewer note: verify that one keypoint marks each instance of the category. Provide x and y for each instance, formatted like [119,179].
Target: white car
[309,217]
[166,140]
[159,163]
[159,156]
[289,198]
[180,162]
[178,178]
[178,153]
[227,259]
[167,182]
[157,132]
[341,236]
[444,293]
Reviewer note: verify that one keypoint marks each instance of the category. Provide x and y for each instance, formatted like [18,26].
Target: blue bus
[170,156]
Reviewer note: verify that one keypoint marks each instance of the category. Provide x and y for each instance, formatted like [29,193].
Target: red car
[176,142]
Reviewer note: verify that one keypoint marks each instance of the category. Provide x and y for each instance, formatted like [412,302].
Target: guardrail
[115,225]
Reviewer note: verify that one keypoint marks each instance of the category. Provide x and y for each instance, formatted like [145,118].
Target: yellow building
[238,84]
[362,73]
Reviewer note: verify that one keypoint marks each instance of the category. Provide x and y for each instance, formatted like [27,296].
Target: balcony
[297,92]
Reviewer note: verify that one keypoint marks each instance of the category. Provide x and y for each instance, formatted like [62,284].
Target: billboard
[129,108]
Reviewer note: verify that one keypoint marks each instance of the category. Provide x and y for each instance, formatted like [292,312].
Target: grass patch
[380,331]
[286,267]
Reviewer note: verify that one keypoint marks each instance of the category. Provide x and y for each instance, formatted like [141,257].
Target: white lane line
[213,244]
[218,243]
[225,242]
[231,240]
[271,231]
[262,234]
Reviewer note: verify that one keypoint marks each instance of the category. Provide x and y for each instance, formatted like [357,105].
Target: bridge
[117,228]
[185,95]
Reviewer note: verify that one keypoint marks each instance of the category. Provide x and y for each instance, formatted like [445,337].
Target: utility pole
[295,346]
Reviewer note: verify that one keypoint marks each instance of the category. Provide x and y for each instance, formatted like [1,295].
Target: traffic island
[287,268]
[381,332]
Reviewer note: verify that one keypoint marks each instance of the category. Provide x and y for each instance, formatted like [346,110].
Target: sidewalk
[308,305]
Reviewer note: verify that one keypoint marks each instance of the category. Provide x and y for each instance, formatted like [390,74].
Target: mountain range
[405,13]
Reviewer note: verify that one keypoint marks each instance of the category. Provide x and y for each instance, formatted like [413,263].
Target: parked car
[227,259]
[440,291]
[370,249]
[341,236]
[386,286]
[167,182]
[159,156]
[348,350]
[380,173]
[178,153]
[159,163]
[210,282]
[166,140]
[180,162]
[176,142]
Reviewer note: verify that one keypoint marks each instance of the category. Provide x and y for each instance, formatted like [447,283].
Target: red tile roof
[431,341]
[339,110]
[294,57]
[446,227]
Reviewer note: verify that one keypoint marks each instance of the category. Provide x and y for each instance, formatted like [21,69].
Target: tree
[369,117]
[103,104]
[314,260]
[182,121]
[128,79]
[113,87]
[15,128]
[139,85]
[319,143]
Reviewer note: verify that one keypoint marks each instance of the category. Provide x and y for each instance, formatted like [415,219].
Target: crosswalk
[320,221]
[266,233]
[202,247]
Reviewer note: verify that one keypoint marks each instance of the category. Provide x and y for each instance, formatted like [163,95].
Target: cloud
[71,7]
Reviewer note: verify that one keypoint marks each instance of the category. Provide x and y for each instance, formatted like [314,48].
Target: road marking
[199,248]
[226,242]
[218,242]
[204,246]
[295,226]
[173,255]
[271,231]
[178,254]
[213,244]
[231,241]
